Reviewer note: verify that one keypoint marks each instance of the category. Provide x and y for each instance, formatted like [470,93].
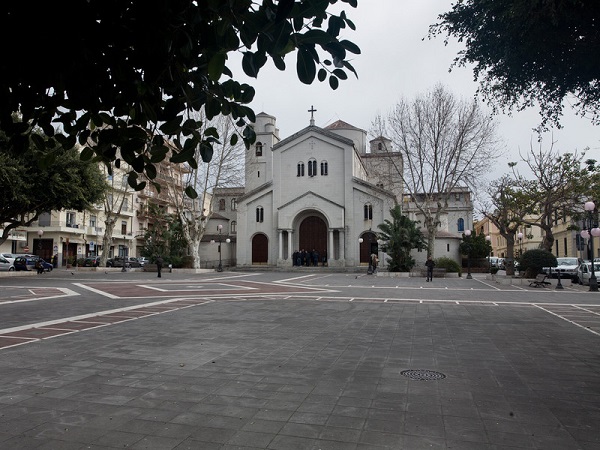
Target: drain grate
[422,375]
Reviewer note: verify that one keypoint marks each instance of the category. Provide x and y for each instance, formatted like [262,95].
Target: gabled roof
[341,125]
[313,129]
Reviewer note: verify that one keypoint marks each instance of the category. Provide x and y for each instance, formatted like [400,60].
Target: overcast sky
[396,62]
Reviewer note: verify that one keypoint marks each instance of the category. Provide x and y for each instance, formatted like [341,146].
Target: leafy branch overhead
[527,52]
[126,76]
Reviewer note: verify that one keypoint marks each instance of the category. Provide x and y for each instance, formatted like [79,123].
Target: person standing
[430,263]
[159,264]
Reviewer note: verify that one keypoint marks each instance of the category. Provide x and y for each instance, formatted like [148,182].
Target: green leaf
[284,7]
[279,62]
[171,127]
[340,74]
[322,74]
[191,192]
[350,46]
[206,152]
[216,66]
[151,171]
[305,66]
[319,37]
[212,108]
[233,140]
[334,82]
[86,154]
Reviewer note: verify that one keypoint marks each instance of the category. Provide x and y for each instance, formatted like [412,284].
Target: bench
[438,272]
[540,281]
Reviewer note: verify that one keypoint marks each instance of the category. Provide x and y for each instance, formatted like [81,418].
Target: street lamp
[520,237]
[488,238]
[468,242]
[220,267]
[589,233]
[40,233]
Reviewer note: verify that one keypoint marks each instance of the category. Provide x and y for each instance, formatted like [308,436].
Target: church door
[313,235]
[367,247]
[260,249]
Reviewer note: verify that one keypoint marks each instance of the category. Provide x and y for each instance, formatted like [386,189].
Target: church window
[300,169]
[259,149]
[461,224]
[324,168]
[312,167]
[380,146]
[233,204]
[260,214]
[222,204]
[233,227]
[368,211]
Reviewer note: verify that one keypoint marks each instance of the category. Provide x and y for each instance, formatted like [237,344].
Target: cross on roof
[312,111]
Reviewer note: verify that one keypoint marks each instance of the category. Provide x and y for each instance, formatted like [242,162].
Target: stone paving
[297,372]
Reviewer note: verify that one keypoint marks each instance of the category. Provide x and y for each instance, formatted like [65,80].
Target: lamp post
[590,230]
[520,237]
[488,238]
[40,233]
[468,242]
[220,266]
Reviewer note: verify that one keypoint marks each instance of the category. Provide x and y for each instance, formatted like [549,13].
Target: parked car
[567,266]
[143,260]
[584,271]
[28,263]
[92,261]
[6,265]
[9,256]
[119,261]
[493,261]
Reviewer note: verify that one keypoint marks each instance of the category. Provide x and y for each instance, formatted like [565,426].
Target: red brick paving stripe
[102,319]
[72,325]
[35,333]
[8,342]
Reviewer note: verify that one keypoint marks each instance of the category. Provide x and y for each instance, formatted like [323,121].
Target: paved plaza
[296,360]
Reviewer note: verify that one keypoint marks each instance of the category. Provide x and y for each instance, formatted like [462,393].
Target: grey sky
[396,62]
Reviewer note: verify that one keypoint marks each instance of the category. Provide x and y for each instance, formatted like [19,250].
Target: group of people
[312,258]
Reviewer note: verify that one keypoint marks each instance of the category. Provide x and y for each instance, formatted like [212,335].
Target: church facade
[319,189]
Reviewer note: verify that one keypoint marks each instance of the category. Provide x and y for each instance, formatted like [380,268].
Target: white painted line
[97,291]
[102,313]
[66,292]
[567,320]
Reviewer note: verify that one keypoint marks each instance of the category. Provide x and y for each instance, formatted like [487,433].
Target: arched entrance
[313,235]
[260,249]
[368,246]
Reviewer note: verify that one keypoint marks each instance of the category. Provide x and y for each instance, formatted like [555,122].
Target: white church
[323,189]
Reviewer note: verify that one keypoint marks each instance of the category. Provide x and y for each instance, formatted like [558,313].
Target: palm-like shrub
[401,236]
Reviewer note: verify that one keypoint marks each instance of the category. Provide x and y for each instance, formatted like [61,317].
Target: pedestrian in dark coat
[159,264]
[430,263]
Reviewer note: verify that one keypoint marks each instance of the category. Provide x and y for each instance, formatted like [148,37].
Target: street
[281,360]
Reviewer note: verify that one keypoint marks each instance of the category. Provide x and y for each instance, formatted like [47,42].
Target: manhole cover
[422,375]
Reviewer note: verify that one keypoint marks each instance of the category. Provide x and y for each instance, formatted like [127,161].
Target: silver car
[584,271]
[6,265]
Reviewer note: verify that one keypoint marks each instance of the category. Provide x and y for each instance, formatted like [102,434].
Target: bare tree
[118,196]
[446,143]
[560,181]
[225,169]
[507,208]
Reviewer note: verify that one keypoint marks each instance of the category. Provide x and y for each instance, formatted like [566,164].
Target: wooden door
[260,249]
